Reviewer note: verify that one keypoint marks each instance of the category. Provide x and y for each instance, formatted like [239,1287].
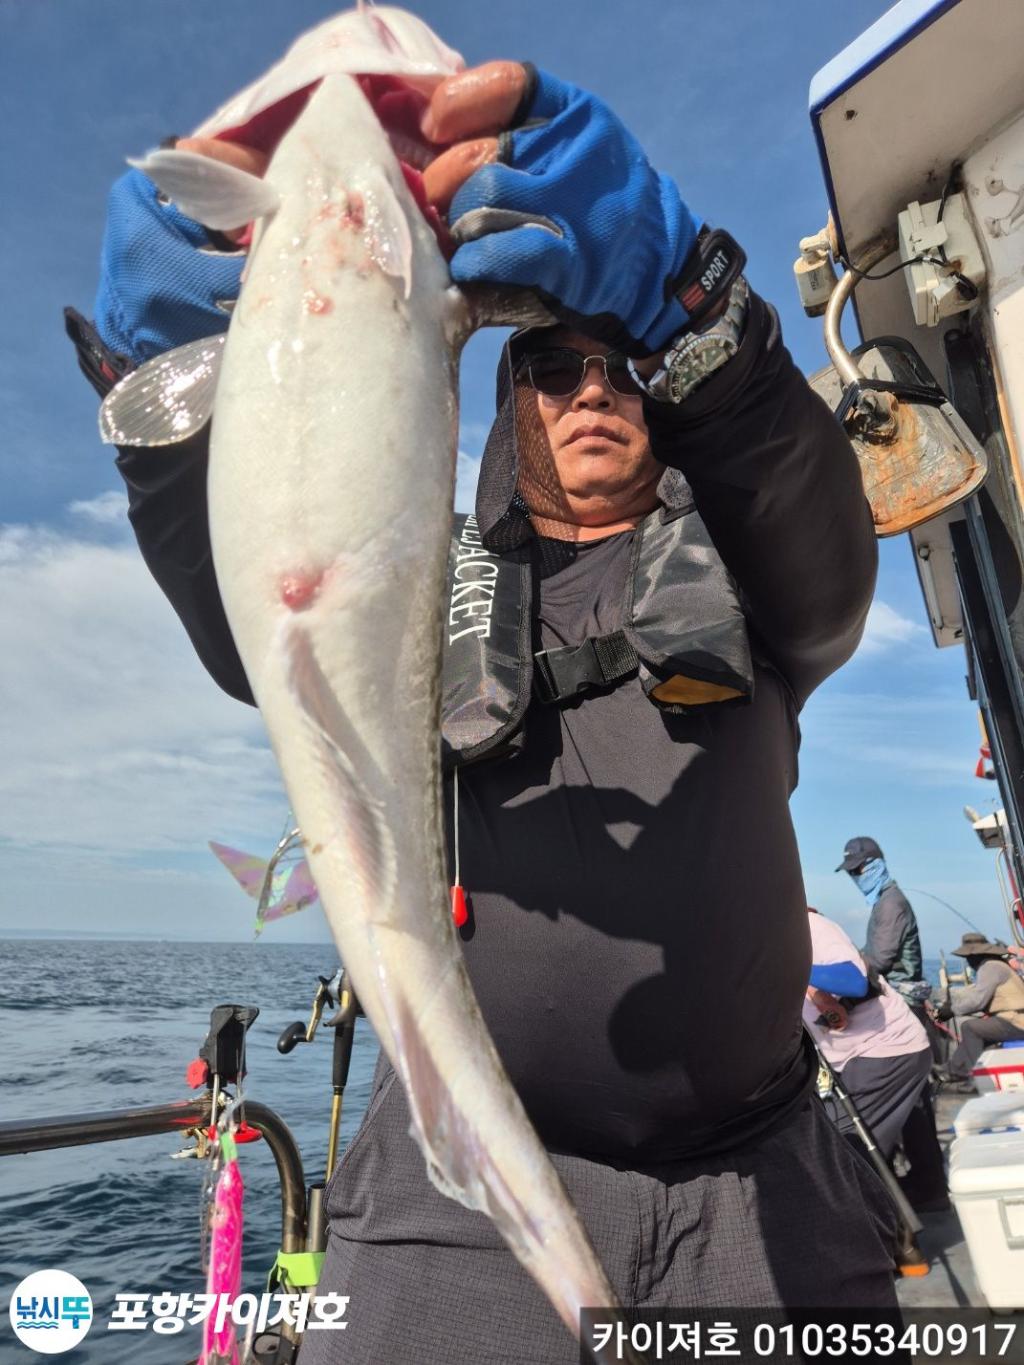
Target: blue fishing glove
[162,283]
[574,211]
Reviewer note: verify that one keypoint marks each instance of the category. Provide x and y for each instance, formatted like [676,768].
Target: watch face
[700,359]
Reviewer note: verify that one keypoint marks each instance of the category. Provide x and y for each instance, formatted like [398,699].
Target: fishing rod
[911,1260]
[931,895]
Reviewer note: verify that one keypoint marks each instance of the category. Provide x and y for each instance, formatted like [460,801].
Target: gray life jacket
[683,634]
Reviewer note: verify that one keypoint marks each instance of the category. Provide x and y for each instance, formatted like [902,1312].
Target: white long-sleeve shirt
[883,1026]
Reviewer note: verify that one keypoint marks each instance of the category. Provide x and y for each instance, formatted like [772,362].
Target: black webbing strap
[100,365]
[597,662]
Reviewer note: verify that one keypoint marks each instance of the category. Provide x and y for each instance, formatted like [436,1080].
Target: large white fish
[331,478]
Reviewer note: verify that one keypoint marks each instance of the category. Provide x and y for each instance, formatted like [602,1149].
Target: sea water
[89,1025]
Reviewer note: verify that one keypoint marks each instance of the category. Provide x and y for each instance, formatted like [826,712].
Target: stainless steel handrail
[80,1130]
[846,367]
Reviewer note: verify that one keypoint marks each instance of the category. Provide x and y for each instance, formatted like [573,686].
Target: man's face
[585,459]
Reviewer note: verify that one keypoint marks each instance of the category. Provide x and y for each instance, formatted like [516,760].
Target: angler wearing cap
[892,944]
[991,1011]
[671,551]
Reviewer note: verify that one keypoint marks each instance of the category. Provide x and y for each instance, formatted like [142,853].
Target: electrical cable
[967,287]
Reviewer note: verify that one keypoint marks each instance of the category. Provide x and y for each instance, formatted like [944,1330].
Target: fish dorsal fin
[165,401]
[213,193]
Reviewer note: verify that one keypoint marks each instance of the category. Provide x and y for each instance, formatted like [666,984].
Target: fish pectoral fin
[165,401]
[213,193]
[348,770]
[386,232]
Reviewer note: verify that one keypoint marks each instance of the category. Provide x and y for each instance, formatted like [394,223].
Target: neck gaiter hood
[873,880]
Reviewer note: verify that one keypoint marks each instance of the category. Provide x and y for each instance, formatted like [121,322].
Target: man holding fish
[671,550]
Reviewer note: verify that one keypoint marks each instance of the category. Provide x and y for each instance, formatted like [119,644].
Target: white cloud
[467,471]
[886,628]
[116,743]
[108,509]
[914,739]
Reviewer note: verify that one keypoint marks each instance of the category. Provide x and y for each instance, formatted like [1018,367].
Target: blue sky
[121,758]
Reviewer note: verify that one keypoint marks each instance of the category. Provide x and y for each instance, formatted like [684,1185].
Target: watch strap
[709,272]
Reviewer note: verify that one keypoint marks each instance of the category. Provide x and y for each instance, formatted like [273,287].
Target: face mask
[872,880]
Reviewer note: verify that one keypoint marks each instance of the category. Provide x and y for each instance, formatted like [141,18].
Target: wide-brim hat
[858,851]
[977,945]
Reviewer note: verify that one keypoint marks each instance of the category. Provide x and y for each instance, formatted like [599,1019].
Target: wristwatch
[695,356]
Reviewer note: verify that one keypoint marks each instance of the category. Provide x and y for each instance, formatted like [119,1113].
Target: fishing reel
[331,993]
[328,994]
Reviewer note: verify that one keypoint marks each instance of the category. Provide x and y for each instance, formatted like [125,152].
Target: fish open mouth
[399,105]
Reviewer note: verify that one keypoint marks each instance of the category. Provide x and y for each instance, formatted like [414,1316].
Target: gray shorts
[884,1091]
[795,1219]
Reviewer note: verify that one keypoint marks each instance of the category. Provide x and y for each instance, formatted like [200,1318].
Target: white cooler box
[999,1112]
[986,1185]
[1000,1068]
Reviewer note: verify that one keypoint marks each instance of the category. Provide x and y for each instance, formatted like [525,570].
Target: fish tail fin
[213,193]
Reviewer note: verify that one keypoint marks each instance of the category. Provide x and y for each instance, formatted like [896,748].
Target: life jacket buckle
[572,669]
[561,673]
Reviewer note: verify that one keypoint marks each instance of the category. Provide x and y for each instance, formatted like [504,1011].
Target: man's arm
[836,966]
[163,282]
[167,510]
[779,488]
[886,928]
[840,979]
[774,476]
[974,999]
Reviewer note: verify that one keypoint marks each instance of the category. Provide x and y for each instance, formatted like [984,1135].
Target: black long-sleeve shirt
[892,942]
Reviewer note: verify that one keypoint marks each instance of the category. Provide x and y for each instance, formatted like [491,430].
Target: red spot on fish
[315,303]
[299,589]
[355,214]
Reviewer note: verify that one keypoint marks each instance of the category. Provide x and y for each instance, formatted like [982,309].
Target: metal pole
[344,1025]
[846,367]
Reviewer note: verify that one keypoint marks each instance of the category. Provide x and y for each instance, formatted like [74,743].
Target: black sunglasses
[559,373]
